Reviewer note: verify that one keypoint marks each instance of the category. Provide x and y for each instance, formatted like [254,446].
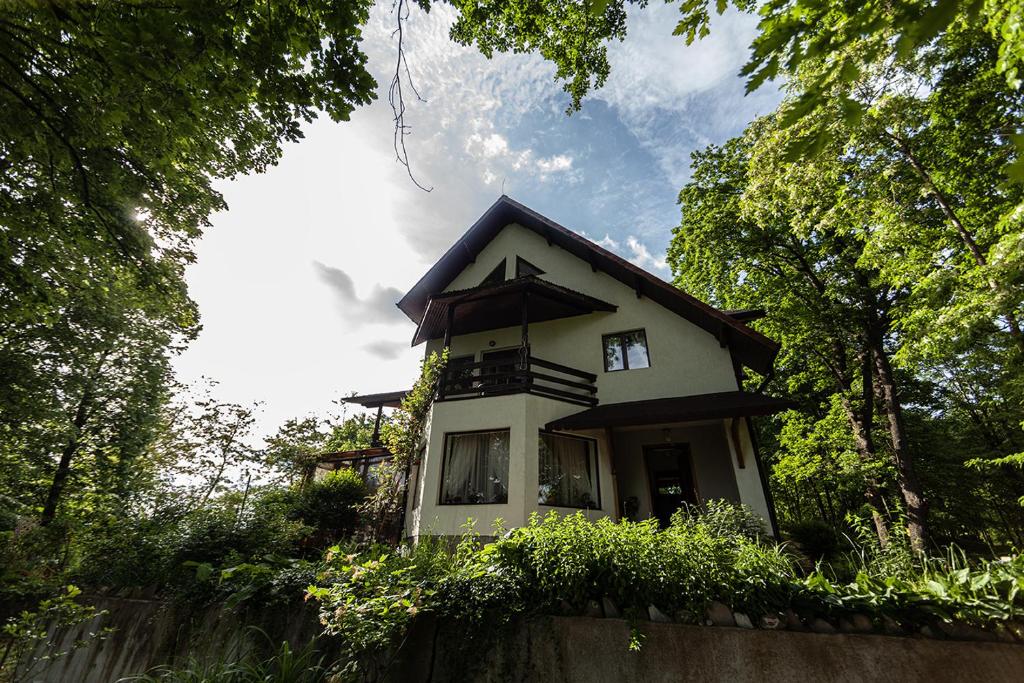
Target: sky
[297,280]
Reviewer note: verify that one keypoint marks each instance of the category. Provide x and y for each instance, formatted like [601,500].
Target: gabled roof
[749,346]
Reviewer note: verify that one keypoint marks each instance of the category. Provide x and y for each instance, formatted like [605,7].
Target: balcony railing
[516,376]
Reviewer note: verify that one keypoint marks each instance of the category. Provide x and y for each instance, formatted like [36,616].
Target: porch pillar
[443,381]
[524,332]
[375,439]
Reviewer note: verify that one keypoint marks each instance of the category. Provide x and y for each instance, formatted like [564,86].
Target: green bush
[557,563]
[816,539]
[287,665]
[331,504]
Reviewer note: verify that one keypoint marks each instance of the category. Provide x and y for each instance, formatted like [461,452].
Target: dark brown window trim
[520,262]
[444,462]
[496,276]
[597,469]
[625,356]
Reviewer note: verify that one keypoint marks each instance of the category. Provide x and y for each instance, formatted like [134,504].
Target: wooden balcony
[526,374]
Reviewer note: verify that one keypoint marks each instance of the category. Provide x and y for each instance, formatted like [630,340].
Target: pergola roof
[749,346]
[676,409]
[388,399]
[492,307]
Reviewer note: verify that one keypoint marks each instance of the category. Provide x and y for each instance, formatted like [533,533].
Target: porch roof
[388,399]
[491,307]
[675,409]
[354,455]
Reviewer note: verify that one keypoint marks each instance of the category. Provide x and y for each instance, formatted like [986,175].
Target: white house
[576,381]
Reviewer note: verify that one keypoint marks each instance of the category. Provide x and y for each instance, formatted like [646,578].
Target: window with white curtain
[475,468]
[568,472]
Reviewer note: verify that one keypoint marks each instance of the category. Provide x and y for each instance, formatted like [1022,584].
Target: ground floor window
[475,468]
[568,472]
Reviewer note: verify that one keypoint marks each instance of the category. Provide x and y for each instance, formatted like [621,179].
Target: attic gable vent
[496,276]
[524,268]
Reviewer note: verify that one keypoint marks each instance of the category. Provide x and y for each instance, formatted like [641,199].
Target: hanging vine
[402,436]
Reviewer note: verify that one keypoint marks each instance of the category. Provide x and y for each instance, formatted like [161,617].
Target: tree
[842,40]
[205,445]
[756,232]
[118,116]
[300,443]
[890,257]
[82,397]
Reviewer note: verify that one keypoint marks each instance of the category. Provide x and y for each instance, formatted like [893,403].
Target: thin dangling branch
[396,98]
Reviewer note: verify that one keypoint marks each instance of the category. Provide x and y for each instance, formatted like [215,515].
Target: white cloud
[641,256]
[554,164]
[676,97]
[636,252]
[487,147]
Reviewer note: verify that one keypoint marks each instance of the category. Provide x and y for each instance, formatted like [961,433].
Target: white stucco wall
[684,358]
[524,415]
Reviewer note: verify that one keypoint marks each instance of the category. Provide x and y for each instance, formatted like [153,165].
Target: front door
[671,479]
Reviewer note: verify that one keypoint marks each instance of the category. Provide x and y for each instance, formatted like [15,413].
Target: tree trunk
[860,425]
[910,487]
[60,476]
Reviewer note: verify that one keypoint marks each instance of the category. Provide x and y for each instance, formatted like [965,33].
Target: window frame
[520,262]
[444,463]
[597,468]
[500,268]
[620,337]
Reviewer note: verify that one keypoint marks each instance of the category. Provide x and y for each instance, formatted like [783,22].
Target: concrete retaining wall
[550,649]
[586,650]
[149,633]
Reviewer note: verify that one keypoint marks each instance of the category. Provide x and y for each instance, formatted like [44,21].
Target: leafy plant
[370,598]
[286,665]
[402,437]
[27,644]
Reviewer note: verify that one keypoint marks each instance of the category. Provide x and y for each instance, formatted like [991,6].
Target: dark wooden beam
[375,439]
[638,285]
[723,336]
[525,323]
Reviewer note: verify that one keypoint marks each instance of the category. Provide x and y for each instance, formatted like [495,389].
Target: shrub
[722,518]
[370,598]
[287,665]
[331,503]
[816,539]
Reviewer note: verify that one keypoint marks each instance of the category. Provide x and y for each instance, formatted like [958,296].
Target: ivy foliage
[403,436]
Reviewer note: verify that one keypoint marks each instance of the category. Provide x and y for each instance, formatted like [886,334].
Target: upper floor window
[626,351]
[475,468]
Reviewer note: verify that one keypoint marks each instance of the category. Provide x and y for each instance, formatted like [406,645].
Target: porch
[667,453]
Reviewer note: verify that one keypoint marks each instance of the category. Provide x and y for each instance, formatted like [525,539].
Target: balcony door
[505,361]
[670,473]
